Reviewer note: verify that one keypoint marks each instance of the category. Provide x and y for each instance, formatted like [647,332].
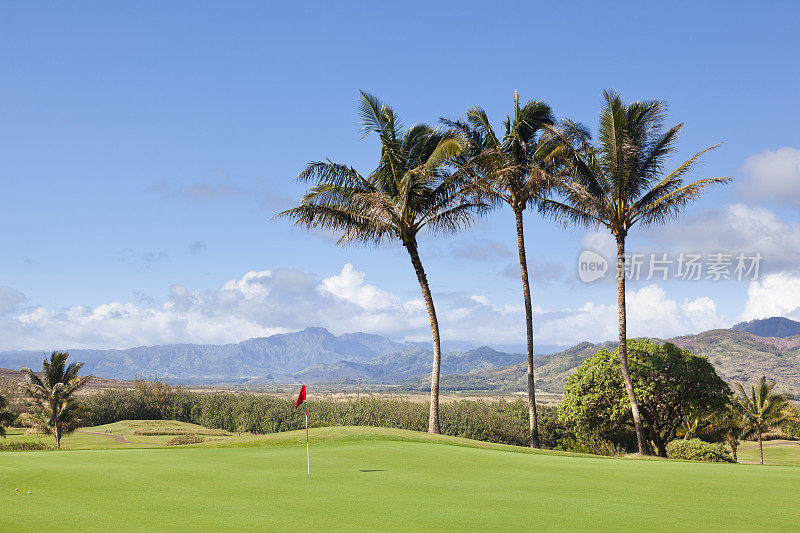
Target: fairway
[373,479]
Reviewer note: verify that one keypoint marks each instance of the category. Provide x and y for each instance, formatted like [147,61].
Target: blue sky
[145,146]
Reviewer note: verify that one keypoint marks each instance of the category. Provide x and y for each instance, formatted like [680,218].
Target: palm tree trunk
[623,346]
[761,447]
[526,291]
[433,420]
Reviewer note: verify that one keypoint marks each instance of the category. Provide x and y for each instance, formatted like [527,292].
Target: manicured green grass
[781,452]
[375,479]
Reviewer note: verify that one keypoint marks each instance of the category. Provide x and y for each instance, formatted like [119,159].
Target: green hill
[371,479]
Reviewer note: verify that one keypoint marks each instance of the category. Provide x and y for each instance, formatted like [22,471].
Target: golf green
[366,483]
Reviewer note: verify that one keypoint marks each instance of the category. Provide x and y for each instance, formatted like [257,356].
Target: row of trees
[680,396]
[439,178]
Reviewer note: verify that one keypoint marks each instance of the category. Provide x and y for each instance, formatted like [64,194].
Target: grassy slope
[375,479]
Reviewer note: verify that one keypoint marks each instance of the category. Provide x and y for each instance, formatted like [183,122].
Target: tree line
[682,400]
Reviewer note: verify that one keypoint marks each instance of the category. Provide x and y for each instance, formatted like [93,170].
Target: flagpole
[308,459]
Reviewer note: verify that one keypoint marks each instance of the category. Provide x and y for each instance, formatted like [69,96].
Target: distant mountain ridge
[274,357]
[776,326]
[738,356]
[315,355]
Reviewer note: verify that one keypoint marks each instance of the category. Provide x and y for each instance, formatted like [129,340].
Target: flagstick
[308,459]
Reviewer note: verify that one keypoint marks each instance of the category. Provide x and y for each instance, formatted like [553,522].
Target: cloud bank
[266,302]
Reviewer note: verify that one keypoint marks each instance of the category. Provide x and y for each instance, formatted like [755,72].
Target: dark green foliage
[698,450]
[504,422]
[6,416]
[670,382]
[23,446]
[791,426]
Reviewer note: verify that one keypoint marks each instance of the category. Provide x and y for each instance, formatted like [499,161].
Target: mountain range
[742,353]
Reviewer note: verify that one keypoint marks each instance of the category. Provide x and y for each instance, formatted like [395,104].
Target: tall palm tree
[762,409]
[410,190]
[513,169]
[53,394]
[6,417]
[620,182]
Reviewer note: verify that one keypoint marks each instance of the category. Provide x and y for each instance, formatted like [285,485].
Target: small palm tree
[6,417]
[53,394]
[730,425]
[762,409]
[409,191]
[618,183]
[513,169]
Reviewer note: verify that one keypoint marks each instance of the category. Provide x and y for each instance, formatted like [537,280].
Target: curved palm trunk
[433,420]
[526,291]
[761,447]
[623,346]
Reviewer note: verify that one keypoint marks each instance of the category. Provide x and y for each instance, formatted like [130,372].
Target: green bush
[698,450]
[24,446]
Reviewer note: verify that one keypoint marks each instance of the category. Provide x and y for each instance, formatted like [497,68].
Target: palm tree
[618,183]
[410,190]
[513,170]
[762,409]
[6,417]
[53,394]
[730,425]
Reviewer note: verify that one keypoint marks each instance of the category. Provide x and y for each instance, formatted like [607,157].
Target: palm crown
[619,181]
[409,190]
[513,167]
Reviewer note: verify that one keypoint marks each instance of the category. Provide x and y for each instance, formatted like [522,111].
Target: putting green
[373,479]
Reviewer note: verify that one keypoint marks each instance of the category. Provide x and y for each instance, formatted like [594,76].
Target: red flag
[301,397]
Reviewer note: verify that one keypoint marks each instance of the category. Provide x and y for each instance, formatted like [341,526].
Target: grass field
[377,479]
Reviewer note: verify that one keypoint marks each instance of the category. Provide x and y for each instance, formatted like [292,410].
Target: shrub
[24,446]
[185,439]
[698,450]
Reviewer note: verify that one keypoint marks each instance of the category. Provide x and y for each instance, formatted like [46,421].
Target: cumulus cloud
[775,294]
[773,176]
[734,228]
[265,302]
[651,313]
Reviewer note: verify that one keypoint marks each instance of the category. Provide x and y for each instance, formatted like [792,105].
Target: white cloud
[775,294]
[650,313]
[262,303]
[773,175]
[349,285]
[734,228]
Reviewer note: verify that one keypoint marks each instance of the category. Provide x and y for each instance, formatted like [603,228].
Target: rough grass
[376,479]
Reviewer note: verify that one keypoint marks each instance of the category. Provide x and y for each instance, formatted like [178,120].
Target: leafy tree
[6,417]
[411,190]
[669,381]
[762,409]
[57,411]
[619,182]
[513,169]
